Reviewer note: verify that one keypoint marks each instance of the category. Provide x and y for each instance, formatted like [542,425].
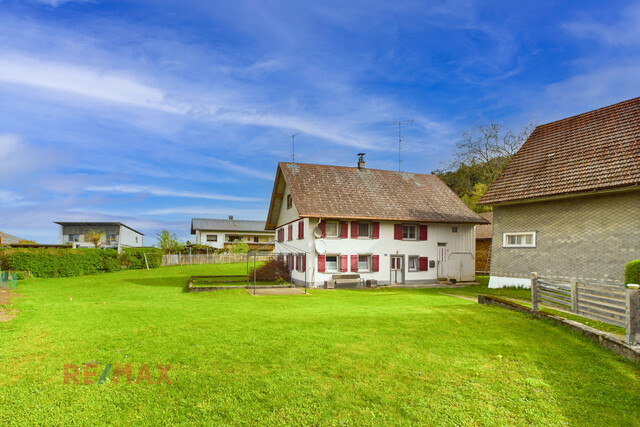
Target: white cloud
[624,32]
[154,191]
[94,83]
[210,212]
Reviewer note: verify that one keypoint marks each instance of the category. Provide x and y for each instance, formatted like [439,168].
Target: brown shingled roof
[598,150]
[348,192]
[485,231]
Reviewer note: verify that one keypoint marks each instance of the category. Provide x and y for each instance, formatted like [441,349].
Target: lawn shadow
[164,282]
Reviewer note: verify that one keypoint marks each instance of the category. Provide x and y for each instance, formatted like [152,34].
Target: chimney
[361,161]
[230,216]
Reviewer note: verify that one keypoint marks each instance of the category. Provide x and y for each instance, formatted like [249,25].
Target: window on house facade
[331,263]
[255,239]
[364,262]
[454,229]
[414,263]
[289,201]
[364,229]
[212,237]
[331,229]
[519,240]
[234,239]
[409,232]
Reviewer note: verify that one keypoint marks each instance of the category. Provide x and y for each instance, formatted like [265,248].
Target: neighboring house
[224,233]
[117,234]
[483,243]
[391,227]
[567,206]
[7,239]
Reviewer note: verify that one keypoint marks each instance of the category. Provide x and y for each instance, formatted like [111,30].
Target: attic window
[289,201]
[454,229]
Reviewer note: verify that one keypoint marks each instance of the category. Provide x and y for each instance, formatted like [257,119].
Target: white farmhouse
[224,233]
[387,226]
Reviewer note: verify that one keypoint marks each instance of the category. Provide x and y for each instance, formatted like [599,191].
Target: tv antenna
[293,148]
[400,123]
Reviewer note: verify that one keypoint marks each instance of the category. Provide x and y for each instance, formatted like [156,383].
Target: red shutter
[301,230]
[323,228]
[290,232]
[354,230]
[304,263]
[397,231]
[321,263]
[375,261]
[344,263]
[280,258]
[344,229]
[354,262]
[423,232]
[376,230]
[424,263]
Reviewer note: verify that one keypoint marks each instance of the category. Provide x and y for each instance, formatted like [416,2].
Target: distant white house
[221,233]
[392,227]
[117,234]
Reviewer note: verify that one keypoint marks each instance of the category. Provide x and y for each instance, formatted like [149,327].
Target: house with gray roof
[224,233]
[116,234]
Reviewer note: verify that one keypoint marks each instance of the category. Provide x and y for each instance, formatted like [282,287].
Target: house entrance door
[396,270]
[442,261]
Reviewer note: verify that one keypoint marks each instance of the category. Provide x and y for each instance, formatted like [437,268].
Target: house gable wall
[587,239]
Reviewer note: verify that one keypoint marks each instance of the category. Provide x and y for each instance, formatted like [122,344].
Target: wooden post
[633,316]
[574,296]
[535,298]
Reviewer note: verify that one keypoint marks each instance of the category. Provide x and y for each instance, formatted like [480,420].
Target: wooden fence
[615,305]
[190,259]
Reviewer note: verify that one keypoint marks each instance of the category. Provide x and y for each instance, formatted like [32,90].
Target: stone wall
[589,238]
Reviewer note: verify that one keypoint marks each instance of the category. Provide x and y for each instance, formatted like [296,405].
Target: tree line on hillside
[479,158]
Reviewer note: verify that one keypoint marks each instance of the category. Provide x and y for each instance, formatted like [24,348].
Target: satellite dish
[321,247]
[317,232]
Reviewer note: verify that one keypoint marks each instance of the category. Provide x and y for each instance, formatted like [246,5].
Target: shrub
[273,270]
[632,272]
[133,258]
[49,262]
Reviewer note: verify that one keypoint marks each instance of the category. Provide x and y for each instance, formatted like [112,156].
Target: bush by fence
[47,263]
[632,272]
[273,270]
[134,257]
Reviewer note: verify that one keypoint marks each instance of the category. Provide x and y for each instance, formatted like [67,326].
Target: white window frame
[326,229]
[369,230]
[416,264]
[416,229]
[326,263]
[369,263]
[506,244]
[289,201]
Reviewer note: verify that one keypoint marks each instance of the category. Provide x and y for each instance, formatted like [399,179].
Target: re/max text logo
[121,373]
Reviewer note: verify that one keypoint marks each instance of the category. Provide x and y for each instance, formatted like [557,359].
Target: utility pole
[400,123]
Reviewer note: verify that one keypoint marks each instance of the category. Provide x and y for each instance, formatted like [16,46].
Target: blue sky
[154,112]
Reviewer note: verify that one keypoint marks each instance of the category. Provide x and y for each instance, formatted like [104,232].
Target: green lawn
[389,356]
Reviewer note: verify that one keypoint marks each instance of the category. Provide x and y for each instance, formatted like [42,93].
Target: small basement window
[414,263]
[519,240]
[331,263]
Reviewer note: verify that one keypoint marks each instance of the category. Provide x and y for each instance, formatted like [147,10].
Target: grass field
[390,356]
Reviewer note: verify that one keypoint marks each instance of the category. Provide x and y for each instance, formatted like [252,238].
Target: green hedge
[632,272]
[134,257]
[75,262]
